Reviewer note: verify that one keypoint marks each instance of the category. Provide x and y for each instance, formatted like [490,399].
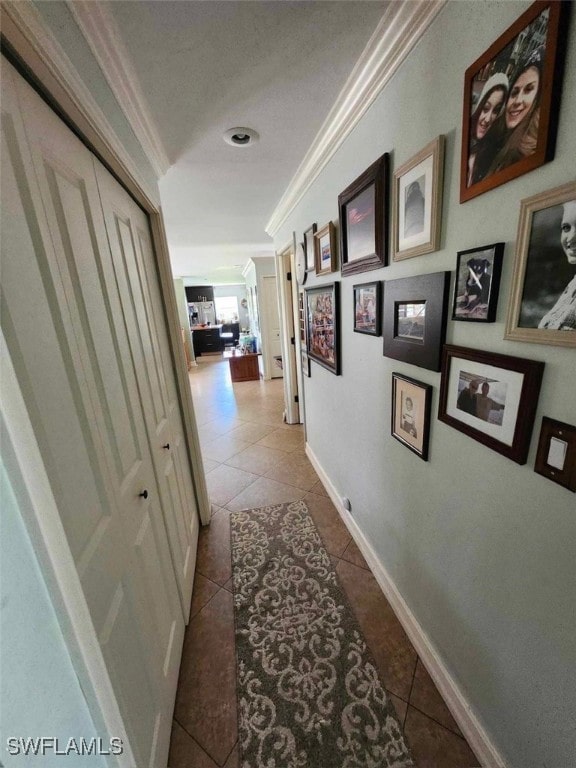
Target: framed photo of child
[512,100]
[411,401]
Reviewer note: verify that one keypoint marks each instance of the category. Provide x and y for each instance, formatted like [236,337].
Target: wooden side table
[244,367]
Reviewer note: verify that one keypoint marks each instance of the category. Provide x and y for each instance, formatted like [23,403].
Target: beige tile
[185,752]
[294,470]
[283,440]
[425,697]
[225,482]
[234,759]
[400,706]
[229,585]
[264,492]
[209,464]
[257,459]
[434,746]
[353,555]
[334,533]
[393,652]
[223,448]
[319,489]
[206,696]
[214,557]
[251,432]
[204,591]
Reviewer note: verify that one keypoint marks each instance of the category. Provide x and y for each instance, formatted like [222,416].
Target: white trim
[103,36]
[29,25]
[57,564]
[467,720]
[398,31]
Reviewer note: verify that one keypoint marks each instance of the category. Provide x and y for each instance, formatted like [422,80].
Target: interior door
[271,317]
[137,282]
[63,324]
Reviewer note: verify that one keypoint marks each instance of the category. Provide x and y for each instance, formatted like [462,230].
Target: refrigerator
[202,313]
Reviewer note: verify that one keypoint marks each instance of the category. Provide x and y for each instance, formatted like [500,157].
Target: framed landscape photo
[368,308]
[411,401]
[512,100]
[414,318]
[543,299]
[477,283]
[309,248]
[325,250]
[322,304]
[491,398]
[417,202]
[363,210]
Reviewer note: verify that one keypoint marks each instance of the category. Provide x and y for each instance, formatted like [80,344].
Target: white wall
[480,548]
[41,695]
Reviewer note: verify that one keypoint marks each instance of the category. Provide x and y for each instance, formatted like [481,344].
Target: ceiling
[205,66]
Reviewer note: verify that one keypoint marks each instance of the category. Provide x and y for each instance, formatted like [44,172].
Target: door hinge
[292,340]
[289,276]
[296,399]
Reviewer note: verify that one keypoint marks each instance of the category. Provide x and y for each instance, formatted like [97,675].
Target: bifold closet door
[65,329]
[137,281]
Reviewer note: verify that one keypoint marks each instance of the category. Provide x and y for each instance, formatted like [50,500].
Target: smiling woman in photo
[488,108]
[562,316]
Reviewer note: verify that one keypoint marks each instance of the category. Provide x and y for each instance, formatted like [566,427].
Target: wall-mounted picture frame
[556,456]
[363,211]
[542,305]
[322,305]
[512,100]
[309,248]
[411,401]
[417,202]
[368,308]
[414,318]
[491,398]
[326,250]
[477,283]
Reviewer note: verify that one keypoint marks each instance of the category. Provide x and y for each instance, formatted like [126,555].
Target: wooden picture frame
[556,457]
[363,211]
[417,202]
[309,248]
[477,283]
[512,100]
[368,308]
[322,307]
[411,402]
[326,250]
[414,318]
[491,398]
[542,305]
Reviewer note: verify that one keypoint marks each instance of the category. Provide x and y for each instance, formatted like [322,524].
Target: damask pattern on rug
[309,693]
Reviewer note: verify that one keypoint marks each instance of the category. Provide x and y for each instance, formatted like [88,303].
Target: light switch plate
[556,457]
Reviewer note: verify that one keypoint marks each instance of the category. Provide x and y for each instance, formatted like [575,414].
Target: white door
[270,322]
[289,334]
[135,277]
[63,323]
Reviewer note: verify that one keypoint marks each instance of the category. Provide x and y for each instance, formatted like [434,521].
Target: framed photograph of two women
[512,100]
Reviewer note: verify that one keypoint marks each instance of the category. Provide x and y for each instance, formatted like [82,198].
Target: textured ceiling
[206,66]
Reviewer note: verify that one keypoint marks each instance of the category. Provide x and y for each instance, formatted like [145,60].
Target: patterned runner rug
[308,690]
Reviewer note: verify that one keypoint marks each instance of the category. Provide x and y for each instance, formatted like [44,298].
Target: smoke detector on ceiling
[240,137]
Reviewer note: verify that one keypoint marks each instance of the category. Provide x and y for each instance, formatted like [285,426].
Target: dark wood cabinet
[196,293]
[207,340]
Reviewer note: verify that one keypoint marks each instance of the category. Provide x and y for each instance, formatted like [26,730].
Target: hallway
[252,459]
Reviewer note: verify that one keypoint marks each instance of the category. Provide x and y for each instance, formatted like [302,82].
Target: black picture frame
[490,397]
[414,318]
[368,308]
[411,406]
[512,145]
[364,220]
[477,283]
[322,309]
[309,247]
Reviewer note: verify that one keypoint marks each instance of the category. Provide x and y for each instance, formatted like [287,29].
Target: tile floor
[253,459]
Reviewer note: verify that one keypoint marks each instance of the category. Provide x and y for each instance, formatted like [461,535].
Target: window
[226,309]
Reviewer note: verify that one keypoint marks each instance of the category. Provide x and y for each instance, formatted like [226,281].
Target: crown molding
[26,33]
[398,31]
[105,40]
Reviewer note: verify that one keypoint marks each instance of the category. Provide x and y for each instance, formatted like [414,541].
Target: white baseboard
[466,719]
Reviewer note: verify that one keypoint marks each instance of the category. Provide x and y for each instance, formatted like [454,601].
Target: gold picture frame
[417,202]
[542,306]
